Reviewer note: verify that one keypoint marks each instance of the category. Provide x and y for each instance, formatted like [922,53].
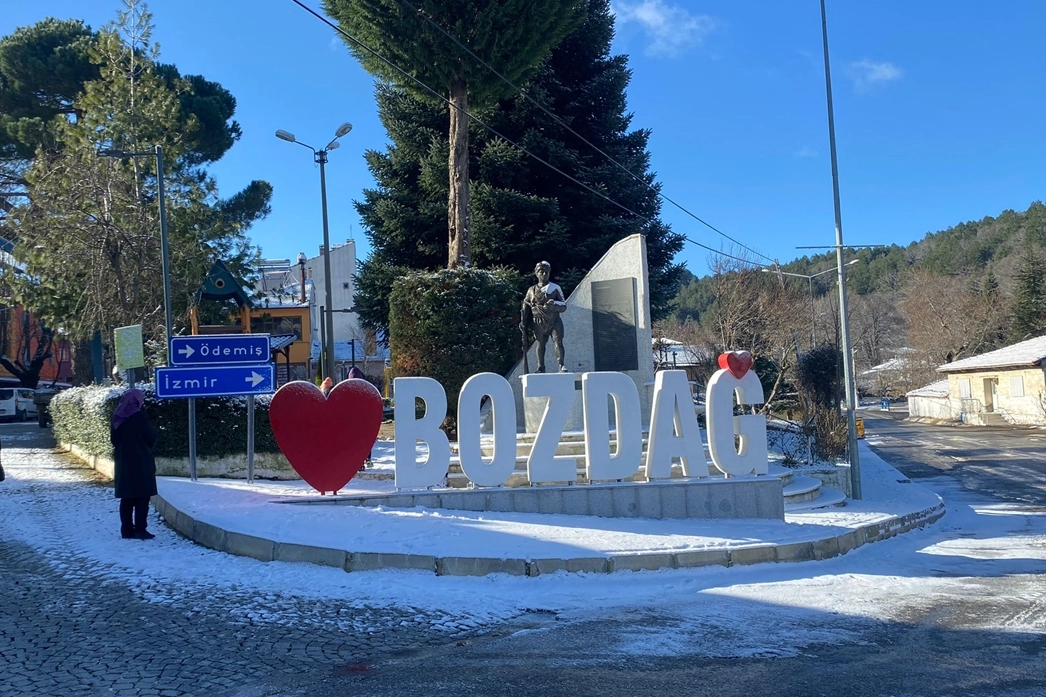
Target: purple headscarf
[355,372]
[130,403]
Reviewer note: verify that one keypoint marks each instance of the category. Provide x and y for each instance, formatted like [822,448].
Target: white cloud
[670,30]
[867,73]
[805,152]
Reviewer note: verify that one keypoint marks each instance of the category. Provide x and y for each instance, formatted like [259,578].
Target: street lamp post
[164,249]
[810,280]
[320,157]
[848,367]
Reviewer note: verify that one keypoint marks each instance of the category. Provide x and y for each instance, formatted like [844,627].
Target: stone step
[802,489]
[991,418]
[457,479]
[827,498]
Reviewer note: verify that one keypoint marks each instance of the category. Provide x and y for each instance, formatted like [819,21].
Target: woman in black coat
[133,437]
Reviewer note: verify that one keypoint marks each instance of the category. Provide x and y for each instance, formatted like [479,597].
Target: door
[27,403]
[989,394]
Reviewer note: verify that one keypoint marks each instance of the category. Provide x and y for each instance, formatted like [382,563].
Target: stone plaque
[614,324]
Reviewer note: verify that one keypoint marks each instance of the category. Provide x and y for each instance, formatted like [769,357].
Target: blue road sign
[219,349]
[215,381]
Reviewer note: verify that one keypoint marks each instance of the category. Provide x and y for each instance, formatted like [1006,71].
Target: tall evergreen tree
[44,70]
[523,211]
[514,35]
[1029,296]
[89,236]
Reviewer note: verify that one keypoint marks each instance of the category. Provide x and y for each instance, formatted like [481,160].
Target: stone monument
[606,326]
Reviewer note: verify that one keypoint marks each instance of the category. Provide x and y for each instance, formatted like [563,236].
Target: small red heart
[737,362]
[326,439]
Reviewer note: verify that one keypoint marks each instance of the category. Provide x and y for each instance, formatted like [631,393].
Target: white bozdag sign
[737,444]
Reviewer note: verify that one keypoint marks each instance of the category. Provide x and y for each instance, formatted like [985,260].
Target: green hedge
[82,415]
[454,323]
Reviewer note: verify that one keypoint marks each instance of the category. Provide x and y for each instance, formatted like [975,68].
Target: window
[1017,386]
[6,395]
[267,324]
[964,388]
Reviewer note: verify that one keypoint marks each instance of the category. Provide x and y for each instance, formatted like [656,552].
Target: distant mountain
[967,249]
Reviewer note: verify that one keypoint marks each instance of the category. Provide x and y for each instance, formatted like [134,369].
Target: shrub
[454,323]
[82,416]
[831,435]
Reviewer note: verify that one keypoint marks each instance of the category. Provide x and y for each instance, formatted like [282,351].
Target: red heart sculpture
[326,439]
[737,362]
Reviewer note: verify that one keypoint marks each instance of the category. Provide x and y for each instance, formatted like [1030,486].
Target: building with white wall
[1003,386]
[343,290]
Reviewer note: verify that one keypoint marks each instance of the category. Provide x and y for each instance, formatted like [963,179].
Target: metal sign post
[218,365]
[250,438]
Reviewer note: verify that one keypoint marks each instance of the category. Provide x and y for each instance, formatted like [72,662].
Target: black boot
[141,518]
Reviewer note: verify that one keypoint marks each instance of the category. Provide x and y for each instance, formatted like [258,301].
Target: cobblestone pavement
[71,624]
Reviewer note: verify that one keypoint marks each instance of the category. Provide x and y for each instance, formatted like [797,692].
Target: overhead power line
[580,137]
[493,130]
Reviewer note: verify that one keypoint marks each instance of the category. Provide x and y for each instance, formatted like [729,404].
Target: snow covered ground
[49,503]
[237,506]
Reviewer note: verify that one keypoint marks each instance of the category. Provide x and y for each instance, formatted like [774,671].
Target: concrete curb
[262,549]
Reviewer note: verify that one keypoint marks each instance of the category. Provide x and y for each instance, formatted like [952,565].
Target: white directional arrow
[254,379]
[186,351]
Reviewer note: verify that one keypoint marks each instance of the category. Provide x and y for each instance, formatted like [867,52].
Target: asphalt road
[1007,463]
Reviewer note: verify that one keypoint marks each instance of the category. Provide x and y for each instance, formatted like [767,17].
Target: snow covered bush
[82,415]
[451,324]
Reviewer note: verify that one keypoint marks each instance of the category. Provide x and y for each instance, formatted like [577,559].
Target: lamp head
[334,145]
[302,258]
[343,129]
[285,135]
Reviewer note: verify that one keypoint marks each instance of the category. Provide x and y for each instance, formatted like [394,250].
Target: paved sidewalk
[254,520]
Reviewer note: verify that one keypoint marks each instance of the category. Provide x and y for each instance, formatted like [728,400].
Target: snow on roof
[936,389]
[1025,354]
[892,364]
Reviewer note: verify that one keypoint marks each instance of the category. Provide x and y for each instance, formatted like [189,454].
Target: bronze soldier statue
[542,307]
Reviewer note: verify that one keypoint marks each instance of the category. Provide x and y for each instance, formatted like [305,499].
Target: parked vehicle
[43,398]
[17,404]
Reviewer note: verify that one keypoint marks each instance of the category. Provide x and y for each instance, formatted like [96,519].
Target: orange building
[21,337]
[280,309]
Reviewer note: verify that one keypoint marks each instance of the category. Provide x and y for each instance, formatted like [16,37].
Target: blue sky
[939,112]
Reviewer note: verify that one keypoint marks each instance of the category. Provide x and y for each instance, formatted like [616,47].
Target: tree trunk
[83,371]
[459,249]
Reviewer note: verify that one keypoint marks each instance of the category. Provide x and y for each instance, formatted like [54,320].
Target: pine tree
[44,69]
[89,237]
[515,35]
[1029,296]
[522,211]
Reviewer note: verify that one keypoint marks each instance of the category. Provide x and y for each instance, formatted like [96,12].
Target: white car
[17,404]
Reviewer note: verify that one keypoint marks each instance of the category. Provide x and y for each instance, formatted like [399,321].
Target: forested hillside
[958,292]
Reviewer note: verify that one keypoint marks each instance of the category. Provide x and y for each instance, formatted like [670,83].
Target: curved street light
[320,157]
[810,278]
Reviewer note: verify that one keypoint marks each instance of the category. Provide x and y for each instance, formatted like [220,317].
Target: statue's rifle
[526,345]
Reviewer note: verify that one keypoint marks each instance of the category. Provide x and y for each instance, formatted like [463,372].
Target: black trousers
[139,506]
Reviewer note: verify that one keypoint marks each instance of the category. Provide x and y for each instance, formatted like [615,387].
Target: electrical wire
[493,130]
[580,137]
